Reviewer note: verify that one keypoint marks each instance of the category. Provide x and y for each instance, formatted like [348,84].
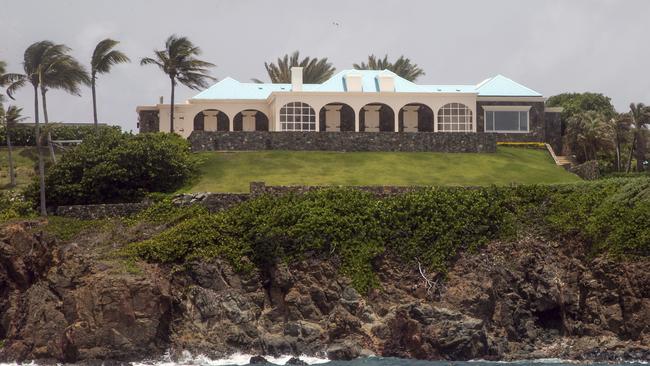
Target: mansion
[363,101]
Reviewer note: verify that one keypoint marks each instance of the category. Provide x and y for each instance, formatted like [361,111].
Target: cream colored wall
[358,100]
[184,113]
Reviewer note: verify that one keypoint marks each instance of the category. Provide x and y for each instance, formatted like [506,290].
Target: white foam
[187,359]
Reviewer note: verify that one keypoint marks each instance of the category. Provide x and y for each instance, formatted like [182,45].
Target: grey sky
[551,46]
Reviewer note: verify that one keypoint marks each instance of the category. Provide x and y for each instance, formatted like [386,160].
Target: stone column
[371,113]
[248,120]
[231,124]
[210,120]
[333,117]
[411,118]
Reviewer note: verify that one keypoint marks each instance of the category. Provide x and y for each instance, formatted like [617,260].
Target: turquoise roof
[230,88]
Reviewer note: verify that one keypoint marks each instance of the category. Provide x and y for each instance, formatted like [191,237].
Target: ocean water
[242,359]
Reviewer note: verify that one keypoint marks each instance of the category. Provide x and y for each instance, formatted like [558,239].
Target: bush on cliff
[431,226]
[116,167]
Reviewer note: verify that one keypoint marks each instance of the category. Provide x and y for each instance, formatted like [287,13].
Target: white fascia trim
[527,131]
[510,108]
[197,101]
[510,99]
[392,93]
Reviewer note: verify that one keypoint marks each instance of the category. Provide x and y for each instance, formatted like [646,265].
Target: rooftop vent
[353,82]
[296,78]
[386,82]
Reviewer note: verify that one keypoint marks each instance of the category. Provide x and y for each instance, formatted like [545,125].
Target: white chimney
[353,82]
[386,82]
[296,78]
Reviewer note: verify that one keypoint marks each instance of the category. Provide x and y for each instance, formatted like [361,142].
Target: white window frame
[506,108]
[460,106]
[312,121]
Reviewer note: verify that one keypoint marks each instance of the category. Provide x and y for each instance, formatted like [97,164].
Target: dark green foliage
[575,103]
[13,205]
[23,134]
[432,226]
[114,167]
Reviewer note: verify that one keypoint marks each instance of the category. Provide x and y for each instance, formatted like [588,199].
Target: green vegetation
[115,167]
[315,70]
[402,66]
[23,134]
[232,172]
[431,226]
[65,228]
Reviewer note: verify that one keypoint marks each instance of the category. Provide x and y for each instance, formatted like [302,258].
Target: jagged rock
[295,361]
[343,351]
[258,360]
[531,298]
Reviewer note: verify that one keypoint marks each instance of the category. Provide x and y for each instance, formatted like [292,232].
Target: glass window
[298,117]
[454,117]
[506,121]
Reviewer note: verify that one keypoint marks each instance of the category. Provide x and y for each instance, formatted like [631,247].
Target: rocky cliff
[529,298]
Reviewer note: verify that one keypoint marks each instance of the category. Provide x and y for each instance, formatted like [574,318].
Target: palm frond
[104,57]
[315,70]
[402,66]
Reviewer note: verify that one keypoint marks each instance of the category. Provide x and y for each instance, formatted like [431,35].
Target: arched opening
[376,117]
[297,116]
[211,120]
[336,117]
[416,117]
[251,120]
[455,117]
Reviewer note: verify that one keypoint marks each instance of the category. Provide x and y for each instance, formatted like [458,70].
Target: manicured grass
[233,171]
[25,164]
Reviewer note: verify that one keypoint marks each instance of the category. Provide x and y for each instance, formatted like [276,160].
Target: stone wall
[343,141]
[148,121]
[260,188]
[588,170]
[536,128]
[553,130]
[212,201]
[101,211]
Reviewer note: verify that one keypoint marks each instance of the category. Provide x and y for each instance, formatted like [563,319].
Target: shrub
[23,134]
[13,205]
[114,167]
[432,226]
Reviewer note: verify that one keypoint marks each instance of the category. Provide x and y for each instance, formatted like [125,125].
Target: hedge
[23,135]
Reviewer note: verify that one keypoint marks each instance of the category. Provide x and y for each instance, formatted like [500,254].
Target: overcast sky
[551,46]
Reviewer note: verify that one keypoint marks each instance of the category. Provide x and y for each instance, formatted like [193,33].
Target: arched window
[454,117]
[297,116]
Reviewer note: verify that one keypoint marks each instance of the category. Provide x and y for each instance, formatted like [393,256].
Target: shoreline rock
[526,299]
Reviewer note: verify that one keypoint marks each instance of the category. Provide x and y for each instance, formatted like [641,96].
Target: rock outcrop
[531,298]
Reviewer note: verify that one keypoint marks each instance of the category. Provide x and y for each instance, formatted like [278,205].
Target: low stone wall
[343,141]
[212,201]
[101,211]
[260,188]
[588,170]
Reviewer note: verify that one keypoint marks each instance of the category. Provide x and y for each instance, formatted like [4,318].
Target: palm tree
[65,73]
[402,67]
[620,126]
[588,133]
[178,61]
[639,116]
[38,59]
[314,70]
[104,57]
[10,117]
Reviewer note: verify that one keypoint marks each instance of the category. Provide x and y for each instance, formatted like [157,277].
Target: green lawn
[233,171]
[25,163]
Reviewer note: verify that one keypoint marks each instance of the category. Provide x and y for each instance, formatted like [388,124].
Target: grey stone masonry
[101,211]
[343,141]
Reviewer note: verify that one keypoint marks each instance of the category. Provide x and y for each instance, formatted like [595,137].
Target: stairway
[563,161]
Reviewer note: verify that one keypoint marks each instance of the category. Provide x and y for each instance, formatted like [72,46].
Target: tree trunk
[43,91]
[629,161]
[640,150]
[12,174]
[171,114]
[94,104]
[47,120]
[41,165]
[618,153]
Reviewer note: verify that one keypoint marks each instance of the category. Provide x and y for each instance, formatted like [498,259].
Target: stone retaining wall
[259,188]
[343,141]
[101,211]
[212,201]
